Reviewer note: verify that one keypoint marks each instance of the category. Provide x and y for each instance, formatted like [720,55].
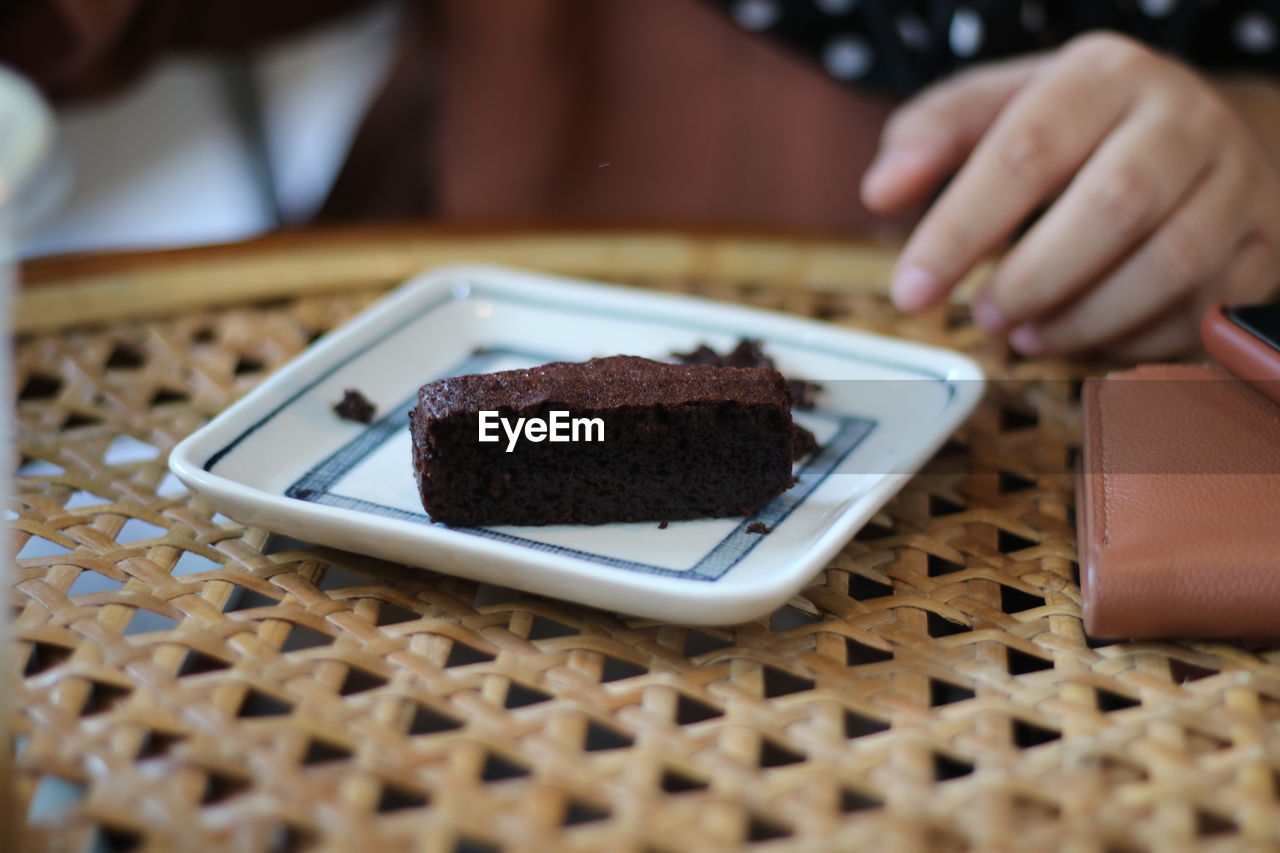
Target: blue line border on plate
[316,485]
[479,291]
[313,486]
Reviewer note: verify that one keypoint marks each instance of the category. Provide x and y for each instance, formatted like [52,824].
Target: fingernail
[1026,339]
[879,174]
[913,288]
[889,166]
[987,316]
[874,181]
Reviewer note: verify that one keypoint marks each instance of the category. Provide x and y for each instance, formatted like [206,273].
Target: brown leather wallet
[1178,506]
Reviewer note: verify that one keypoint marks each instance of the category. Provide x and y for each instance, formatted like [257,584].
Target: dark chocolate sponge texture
[680,441]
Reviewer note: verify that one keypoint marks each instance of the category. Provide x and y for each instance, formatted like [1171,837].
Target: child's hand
[1163,198]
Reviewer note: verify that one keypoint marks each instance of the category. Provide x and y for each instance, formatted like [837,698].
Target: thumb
[931,135]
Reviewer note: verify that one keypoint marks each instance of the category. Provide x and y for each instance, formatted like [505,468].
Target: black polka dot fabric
[900,46]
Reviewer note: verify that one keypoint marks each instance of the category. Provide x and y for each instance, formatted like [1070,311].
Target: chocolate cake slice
[658,442]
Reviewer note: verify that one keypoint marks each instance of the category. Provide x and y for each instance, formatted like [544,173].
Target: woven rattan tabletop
[183,682]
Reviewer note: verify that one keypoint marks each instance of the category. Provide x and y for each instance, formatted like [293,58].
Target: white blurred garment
[167,163]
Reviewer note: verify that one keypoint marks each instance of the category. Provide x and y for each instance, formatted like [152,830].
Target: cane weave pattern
[186,683]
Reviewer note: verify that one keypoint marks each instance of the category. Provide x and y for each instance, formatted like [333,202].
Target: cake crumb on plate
[354,406]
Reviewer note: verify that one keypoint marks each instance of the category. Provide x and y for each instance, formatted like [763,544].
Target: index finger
[1045,134]
[925,139]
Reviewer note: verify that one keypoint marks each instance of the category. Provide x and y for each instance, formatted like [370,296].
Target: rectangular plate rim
[733,599]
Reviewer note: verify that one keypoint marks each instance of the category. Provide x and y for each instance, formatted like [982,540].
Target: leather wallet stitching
[1101,444]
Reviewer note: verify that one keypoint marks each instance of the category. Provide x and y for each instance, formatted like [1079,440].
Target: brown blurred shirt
[639,111]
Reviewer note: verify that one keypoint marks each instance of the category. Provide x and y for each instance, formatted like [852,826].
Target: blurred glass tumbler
[26,138]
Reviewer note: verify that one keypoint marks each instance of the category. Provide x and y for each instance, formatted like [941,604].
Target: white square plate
[281,459]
